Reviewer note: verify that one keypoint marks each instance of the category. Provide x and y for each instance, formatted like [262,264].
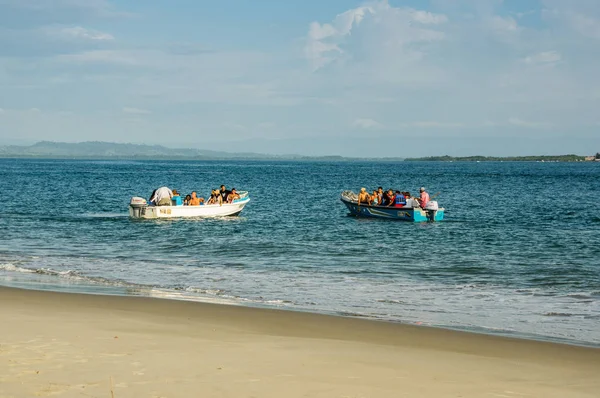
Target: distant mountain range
[111,150]
[102,150]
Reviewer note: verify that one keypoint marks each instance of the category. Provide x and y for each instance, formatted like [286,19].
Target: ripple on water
[494,264]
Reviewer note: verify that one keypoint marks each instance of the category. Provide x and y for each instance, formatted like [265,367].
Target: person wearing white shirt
[162,197]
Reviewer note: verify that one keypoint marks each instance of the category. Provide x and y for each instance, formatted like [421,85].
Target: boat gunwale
[240,201]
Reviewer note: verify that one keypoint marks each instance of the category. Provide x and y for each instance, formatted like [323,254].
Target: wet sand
[72,345]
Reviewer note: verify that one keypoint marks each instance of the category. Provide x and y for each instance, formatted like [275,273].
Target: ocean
[518,253]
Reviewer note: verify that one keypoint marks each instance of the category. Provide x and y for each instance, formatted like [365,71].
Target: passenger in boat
[176,199]
[388,198]
[215,198]
[186,201]
[195,200]
[375,198]
[399,199]
[364,197]
[224,193]
[151,200]
[162,197]
[233,195]
[424,199]
[380,194]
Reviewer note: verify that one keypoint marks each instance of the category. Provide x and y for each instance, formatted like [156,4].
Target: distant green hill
[110,150]
[544,158]
[96,149]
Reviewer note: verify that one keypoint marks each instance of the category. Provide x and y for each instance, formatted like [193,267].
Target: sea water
[517,254]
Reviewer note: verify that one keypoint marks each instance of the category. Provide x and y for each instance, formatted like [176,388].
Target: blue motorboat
[411,212]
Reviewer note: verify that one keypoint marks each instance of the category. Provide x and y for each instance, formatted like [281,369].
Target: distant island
[543,158]
[110,150]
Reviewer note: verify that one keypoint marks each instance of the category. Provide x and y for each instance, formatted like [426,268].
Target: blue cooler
[177,201]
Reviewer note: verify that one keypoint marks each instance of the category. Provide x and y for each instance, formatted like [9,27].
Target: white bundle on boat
[411,203]
[349,195]
[432,205]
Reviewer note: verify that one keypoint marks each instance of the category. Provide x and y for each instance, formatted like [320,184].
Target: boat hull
[154,212]
[394,213]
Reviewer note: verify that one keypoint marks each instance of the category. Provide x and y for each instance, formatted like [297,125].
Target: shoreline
[132,301]
[69,343]
[173,295]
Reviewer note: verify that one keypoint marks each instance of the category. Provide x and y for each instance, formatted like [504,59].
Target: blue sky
[389,78]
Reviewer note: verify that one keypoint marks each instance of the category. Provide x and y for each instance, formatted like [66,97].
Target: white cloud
[585,25]
[524,14]
[320,32]
[101,57]
[394,26]
[546,57]
[505,24]
[426,17]
[266,125]
[80,33]
[365,123]
[380,68]
[135,111]
[233,126]
[581,16]
[528,124]
[434,124]
[325,38]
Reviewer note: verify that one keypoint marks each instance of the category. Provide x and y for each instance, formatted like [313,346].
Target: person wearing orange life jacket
[424,199]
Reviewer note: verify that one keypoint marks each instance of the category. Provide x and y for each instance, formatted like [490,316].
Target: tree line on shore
[543,158]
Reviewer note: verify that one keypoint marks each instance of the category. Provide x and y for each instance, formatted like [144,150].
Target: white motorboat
[139,208]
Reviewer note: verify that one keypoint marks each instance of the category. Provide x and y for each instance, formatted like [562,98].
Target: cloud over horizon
[319,77]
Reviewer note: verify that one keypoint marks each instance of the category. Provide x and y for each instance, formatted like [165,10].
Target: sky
[336,77]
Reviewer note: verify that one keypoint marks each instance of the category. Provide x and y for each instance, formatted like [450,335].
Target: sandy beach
[71,345]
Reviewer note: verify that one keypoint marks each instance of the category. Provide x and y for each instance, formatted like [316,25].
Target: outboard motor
[431,209]
[136,205]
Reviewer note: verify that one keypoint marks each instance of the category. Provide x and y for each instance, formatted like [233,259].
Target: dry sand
[70,345]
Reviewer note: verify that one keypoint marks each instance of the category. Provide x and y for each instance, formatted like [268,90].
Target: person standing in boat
[224,194]
[424,199]
[162,197]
